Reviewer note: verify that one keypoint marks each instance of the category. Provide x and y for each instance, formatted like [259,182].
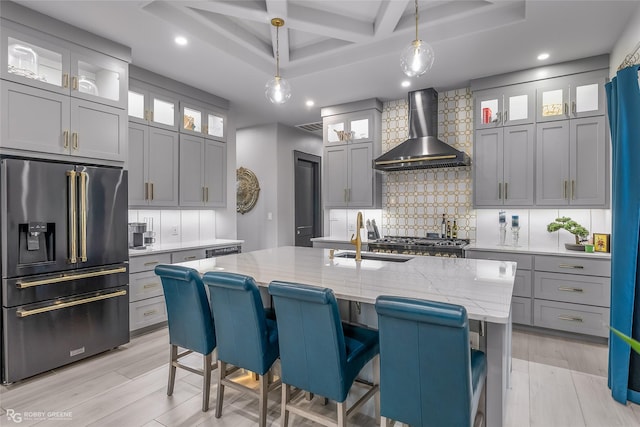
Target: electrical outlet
[174,230]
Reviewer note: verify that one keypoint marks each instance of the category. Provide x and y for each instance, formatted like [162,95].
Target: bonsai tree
[571,226]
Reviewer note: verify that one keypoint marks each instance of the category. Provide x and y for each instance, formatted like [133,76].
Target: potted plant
[572,227]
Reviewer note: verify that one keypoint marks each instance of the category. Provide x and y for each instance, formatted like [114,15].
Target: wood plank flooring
[555,382]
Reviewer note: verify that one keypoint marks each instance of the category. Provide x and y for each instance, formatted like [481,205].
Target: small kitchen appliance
[137,232]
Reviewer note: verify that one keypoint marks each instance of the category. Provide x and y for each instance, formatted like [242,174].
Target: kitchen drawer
[147,262]
[147,312]
[582,319]
[575,288]
[522,283]
[521,310]
[143,285]
[524,261]
[189,255]
[574,265]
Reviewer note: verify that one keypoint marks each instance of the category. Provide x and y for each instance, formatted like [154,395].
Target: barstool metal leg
[342,414]
[264,390]
[173,357]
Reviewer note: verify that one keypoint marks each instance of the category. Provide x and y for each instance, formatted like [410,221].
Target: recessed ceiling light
[180,40]
[310,103]
[543,56]
[405,83]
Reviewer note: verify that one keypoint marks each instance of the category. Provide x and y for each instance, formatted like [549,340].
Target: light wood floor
[555,382]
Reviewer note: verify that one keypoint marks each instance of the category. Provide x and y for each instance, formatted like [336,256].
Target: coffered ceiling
[335,51]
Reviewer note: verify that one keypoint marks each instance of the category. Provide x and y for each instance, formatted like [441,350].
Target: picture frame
[601,242]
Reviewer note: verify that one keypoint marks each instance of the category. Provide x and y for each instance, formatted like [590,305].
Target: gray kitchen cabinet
[203,120]
[521,301]
[571,163]
[152,106]
[504,166]
[153,166]
[47,122]
[504,106]
[571,97]
[352,138]
[40,60]
[349,175]
[187,255]
[146,299]
[203,171]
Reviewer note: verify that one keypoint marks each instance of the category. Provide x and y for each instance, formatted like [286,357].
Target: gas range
[426,246]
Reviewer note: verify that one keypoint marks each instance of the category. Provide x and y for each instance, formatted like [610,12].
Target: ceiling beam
[246,9]
[388,17]
[329,24]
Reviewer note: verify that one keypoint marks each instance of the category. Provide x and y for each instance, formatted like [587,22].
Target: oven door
[45,335]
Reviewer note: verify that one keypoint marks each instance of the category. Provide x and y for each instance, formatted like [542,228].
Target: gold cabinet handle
[151,191]
[65,80]
[499,191]
[83,216]
[151,115]
[65,138]
[570,289]
[66,278]
[570,266]
[345,195]
[72,217]
[151,285]
[566,109]
[207,194]
[506,194]
[573,189]
[54,306]
[147,264]
[506,115]
[573,108]
[189,258]
[571,318]
[74,138]
[146,191]
[149,313]
[74,83]
[349,199]
[203,195]
[205,129]
[564,192]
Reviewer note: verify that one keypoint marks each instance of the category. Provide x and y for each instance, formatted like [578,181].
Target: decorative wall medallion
[247,189]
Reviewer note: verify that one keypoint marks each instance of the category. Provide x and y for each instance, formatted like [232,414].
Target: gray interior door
[308,220]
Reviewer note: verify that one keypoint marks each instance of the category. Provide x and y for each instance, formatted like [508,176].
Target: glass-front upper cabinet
[508,106]
[553,100]
[34,59]
[588,96]
[346,128]
[203,121]
[148,105]
[99,78]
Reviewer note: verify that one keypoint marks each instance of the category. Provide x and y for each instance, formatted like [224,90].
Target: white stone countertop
[329,239]
[183,246]
[483,287]
[538,251]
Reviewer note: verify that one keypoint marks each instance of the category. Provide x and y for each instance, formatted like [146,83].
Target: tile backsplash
[414,201]
[177,226]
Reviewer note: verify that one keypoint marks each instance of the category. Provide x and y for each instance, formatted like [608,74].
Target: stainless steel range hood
[423,149]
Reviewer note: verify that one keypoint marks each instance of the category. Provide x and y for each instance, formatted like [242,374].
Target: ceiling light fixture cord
[278,90]
[277,51]
[416,1]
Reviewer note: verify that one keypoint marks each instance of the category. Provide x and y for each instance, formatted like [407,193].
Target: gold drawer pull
[149,313]
[67,278]
[151,263]
[151,285]
[568,289]
[570,266]
[54,306]
[189,258]
[571,318]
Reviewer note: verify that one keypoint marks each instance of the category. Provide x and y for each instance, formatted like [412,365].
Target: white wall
[626,43]
[256,150]
[225,220]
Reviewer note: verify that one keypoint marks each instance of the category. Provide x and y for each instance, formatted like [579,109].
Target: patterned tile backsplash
[414,201]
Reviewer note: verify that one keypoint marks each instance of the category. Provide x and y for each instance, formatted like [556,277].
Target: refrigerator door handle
[57,306]
[67,278]
[72,215]
[83,216]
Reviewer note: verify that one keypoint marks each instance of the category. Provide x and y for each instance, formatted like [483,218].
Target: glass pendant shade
[278,90]
[417,58]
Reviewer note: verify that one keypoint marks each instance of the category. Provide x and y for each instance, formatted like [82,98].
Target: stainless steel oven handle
[72,217]
[54,306]
[23,285]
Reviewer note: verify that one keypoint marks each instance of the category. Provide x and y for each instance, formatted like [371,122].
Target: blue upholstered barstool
[190,322]
[318,353]
[247,339]
[429,376]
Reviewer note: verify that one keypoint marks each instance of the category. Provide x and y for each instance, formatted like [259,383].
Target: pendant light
[278,90]
[417,58]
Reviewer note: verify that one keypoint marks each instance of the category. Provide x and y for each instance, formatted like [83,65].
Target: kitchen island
[483,287]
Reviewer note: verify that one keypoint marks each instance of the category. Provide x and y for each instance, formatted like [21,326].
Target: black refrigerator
[65,292]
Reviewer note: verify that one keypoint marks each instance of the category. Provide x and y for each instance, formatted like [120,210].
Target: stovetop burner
[433,246]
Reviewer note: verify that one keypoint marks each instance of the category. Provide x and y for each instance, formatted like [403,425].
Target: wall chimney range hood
[423,149]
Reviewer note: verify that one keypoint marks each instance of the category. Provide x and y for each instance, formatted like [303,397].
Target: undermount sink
[374,256]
